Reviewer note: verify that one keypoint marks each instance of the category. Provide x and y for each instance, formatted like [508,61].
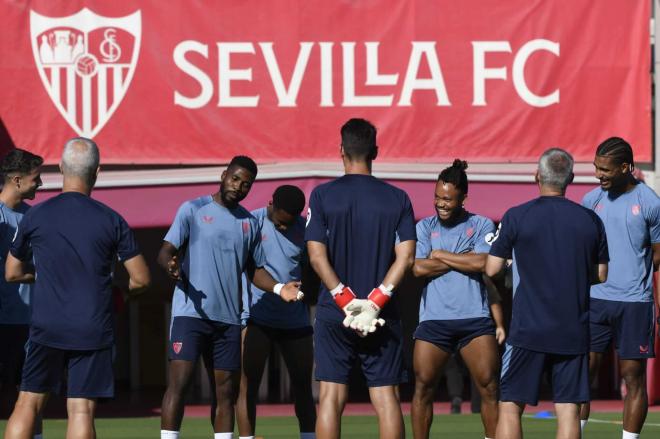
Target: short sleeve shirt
[360,219]
[555,244]
[632,223]
[454,295]
[76,242]
[216,243]
[283,252]
[14,298]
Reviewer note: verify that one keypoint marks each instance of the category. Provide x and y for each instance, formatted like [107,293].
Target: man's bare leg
[22,420]
[568,421]
[81,418]
[428,361]
[332,400]
[385,400]
[508,423]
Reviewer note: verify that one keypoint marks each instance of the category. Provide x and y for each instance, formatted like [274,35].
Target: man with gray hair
[75,241]
[558,249]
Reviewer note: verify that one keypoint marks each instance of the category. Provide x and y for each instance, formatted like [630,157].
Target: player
[270,321]
[206,250]
[558,248]
[361,241]
[22,177]
[76,242]
[622,308]
[454,316]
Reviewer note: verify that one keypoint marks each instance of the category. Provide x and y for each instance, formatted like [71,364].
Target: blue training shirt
[454,295]
[555,244]
[76,242]
[14,298]
[216,242]
[632,223]
[360,219]
[284,253]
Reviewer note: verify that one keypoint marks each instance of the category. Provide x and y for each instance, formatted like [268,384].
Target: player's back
[556,245]
[75,241]
[359,218]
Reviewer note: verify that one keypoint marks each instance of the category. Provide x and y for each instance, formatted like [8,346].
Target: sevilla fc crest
[86,63]
[176,346]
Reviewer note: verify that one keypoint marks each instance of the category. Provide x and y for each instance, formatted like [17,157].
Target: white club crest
[86,63]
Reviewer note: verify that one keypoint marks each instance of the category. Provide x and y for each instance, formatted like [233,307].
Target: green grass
[363,427]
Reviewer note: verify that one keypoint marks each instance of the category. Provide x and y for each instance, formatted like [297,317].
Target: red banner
[198,82]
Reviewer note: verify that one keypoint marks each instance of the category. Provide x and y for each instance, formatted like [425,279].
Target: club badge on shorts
[177,346]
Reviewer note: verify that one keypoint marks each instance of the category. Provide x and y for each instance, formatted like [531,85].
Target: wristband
[381,295]
[342,297]
[277,289]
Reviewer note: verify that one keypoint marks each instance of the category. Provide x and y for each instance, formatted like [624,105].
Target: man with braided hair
[622,308]
[454,315]
[361,241]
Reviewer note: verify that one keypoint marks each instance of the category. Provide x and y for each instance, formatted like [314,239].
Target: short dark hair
[618,149]
[455,174]
[289,199]
[244,162]
[20,161]
[358,138]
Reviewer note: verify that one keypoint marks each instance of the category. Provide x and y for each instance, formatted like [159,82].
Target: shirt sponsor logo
[435,234]
[86,62]
[207,219]
[490,238]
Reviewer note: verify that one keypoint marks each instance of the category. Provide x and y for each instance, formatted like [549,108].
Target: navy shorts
[191,337]
[453,335]
[12,354]
[89,373]
[337,349]
[522,371]
[630,324]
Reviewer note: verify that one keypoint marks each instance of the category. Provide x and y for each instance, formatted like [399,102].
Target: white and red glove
[368,321]
[346,299]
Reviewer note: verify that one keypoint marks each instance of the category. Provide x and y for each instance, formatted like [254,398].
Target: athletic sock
[227,435]
[629,435]
[583,423]
[246,437]
[168,434]
[311,435]
[38,436]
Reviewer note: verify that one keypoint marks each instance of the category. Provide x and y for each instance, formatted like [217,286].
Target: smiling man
[622,308]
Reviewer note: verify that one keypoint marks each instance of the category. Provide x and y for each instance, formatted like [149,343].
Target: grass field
[606,426]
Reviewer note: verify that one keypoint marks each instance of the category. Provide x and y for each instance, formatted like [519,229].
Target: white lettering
[286,96]
[226,74]
[205,83]
[412,83]
[519,72]
[350,98]
[481,72]
[326,74]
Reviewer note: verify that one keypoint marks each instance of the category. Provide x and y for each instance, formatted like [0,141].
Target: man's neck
[76,185]
[551,192]
[10,198]
[360,168]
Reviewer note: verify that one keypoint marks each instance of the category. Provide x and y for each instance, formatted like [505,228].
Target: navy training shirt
[75,241]
[360,219]
[555,244]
